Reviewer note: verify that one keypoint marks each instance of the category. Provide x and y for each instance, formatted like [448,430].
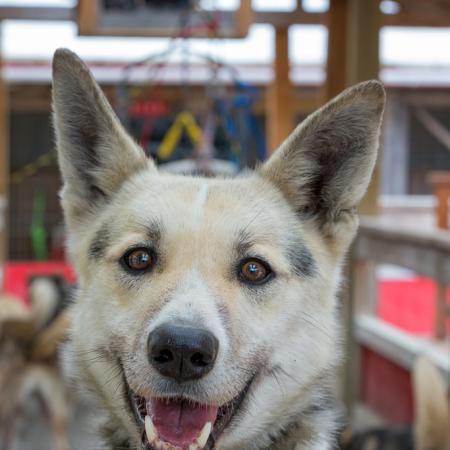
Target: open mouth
[181,424]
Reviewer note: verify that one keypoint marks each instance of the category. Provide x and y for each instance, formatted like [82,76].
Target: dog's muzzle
[182,354]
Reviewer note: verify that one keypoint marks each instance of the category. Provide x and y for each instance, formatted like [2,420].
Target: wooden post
[353,56]
[441,184]
[365,286]
[364,18]
[337,48]
[442,194]
[441,312]
[280,119]
[4,174]
[87,17]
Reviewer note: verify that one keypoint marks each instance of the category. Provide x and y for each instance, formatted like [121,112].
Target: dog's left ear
[324,167]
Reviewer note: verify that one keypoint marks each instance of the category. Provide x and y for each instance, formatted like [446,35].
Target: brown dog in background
[28,347]
[431,430]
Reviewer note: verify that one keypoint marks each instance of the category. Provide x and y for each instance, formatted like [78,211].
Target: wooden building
[416,141]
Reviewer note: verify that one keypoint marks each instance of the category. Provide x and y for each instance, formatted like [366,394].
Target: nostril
[198,359]
[164,356]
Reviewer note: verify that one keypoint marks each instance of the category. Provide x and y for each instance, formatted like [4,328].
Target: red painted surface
[386,388]
[149,108]
[409,304]
[18,274]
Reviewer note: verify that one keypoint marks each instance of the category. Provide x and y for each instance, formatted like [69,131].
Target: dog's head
[207,306]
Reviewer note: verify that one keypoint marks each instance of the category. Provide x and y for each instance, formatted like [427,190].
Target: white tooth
[194,447]
[204,435]
[150,429]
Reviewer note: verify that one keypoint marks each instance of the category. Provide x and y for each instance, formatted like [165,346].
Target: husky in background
[206,316]
[431,430]
[29,339]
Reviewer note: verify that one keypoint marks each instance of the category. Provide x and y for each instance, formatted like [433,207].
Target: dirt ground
[33,432]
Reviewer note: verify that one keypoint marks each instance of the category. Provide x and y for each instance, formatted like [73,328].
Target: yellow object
[184,121]
[30,169]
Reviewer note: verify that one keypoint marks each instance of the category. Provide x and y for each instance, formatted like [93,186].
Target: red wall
[386,388]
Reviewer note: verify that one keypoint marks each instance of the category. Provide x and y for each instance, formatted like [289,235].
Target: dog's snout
[182,353]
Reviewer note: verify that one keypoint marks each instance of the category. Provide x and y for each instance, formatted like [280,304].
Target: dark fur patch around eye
[100,242]
[102,239]
[302,262]
[153,231]
[244,243]
[300,258]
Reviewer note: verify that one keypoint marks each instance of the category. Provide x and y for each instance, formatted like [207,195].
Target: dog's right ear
[96,155]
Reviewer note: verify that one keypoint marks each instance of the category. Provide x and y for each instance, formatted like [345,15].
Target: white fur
[199,202]
[193,302]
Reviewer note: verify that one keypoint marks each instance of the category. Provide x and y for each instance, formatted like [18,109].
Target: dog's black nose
[182,353]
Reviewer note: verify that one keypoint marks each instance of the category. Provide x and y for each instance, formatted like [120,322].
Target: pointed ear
[324,167]
[95,153]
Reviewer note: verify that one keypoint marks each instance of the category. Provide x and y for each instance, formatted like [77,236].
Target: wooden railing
[410,245]
[427,252]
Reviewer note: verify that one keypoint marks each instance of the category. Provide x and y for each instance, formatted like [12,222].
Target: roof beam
[37,13]
[407,17]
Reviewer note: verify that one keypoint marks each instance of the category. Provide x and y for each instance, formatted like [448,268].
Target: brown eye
[139,259]
[254,271]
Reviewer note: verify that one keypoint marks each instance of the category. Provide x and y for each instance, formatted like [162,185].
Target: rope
[45,160]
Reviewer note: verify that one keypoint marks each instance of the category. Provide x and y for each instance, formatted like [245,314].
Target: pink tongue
[180,422]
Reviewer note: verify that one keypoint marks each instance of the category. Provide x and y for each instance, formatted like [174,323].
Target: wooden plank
[336,81]
[399,346]
[353,56]
[365,285]
[286,19]
[415,20]
[364,20]
[363,64]
[433,126]
[244,18]
[441,183]
[441,311]
[93,21]
[4,172]
[410,255]
[87,17]
[37,13]
[337,49]
[442,194]
[405,233]
[276,18]
[280,120]
[425,252]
